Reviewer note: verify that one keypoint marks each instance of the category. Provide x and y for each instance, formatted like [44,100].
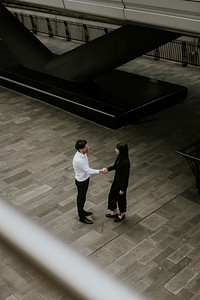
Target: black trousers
[82,187]
[115,198]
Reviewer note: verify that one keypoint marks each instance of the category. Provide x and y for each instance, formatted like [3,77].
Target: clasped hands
[103,171]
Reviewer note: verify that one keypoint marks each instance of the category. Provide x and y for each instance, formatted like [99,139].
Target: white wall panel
[109,9]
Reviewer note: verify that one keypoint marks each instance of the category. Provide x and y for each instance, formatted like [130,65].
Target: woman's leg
[122,204]
[112,198]
[112,203]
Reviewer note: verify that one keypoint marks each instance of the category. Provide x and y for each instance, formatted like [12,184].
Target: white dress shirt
[81,167]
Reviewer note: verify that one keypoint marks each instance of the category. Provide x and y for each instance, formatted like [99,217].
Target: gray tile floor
[156,250]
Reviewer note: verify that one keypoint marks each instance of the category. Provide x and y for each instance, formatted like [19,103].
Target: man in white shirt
[82,176]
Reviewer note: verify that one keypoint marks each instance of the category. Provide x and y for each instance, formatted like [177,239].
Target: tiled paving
[156,250]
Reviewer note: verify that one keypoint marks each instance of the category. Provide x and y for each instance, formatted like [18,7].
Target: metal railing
[179,51]
[186,53]
[66,29]
[192,155]
[80,278]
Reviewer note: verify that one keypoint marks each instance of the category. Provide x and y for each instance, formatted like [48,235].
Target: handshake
[103,171]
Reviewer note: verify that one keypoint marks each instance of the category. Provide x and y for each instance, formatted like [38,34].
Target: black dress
[120,183]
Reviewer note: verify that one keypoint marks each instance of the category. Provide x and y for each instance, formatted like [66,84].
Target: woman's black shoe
[111,216]
[118,219]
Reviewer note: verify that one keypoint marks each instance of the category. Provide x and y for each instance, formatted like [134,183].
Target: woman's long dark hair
[123,151]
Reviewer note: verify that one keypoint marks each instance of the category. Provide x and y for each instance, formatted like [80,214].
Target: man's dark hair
[80,144]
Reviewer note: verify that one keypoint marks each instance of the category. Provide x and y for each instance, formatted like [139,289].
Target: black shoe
[111,216]
[118,219]
[87,213]
[86,220]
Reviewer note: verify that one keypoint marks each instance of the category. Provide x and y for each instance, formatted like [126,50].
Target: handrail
[188,156]
[81,279]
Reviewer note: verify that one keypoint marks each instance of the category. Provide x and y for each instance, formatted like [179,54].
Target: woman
[117,194]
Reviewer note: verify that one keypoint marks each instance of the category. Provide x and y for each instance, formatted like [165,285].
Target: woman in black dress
[117,194]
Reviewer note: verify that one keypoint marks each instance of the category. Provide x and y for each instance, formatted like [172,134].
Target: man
[82,177]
